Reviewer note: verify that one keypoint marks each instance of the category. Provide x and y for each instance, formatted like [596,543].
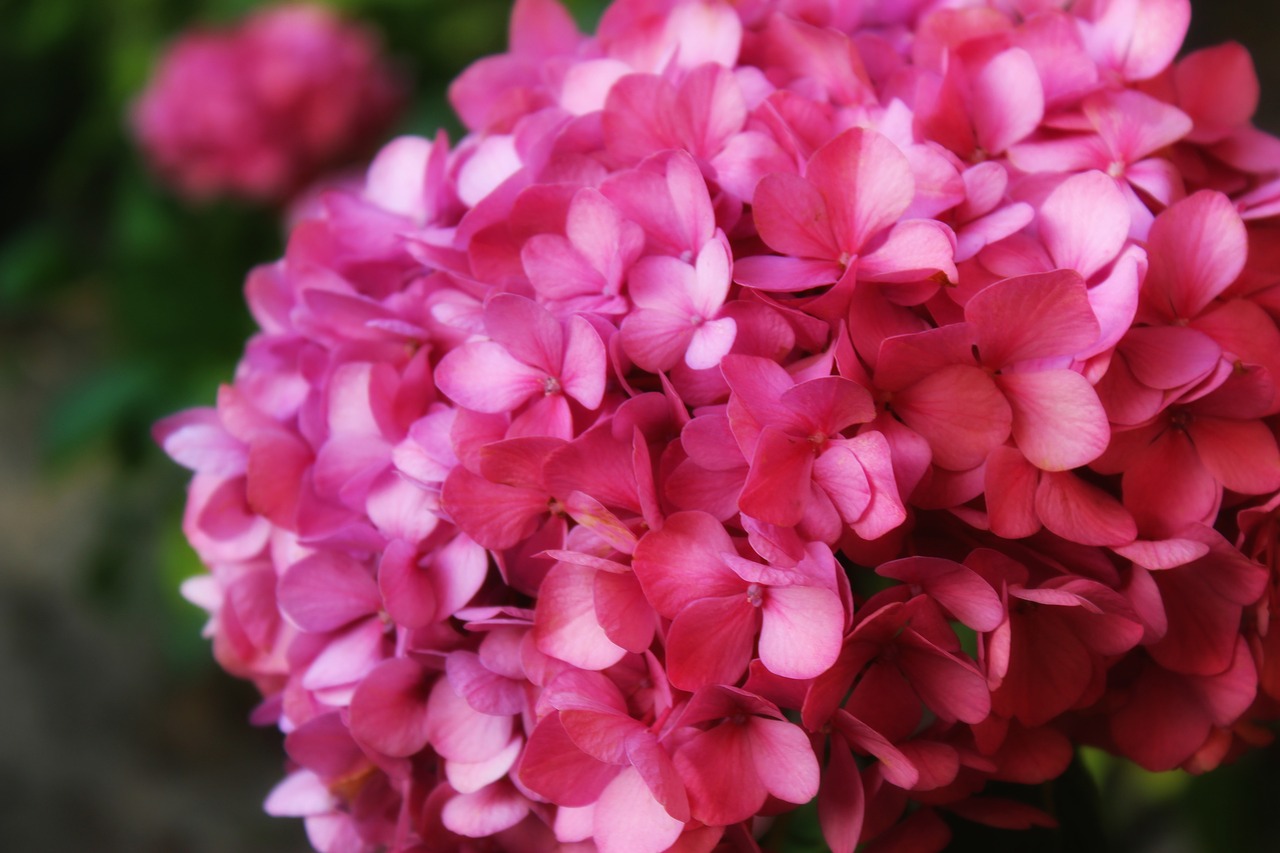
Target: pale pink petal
[801,633]
[197,440]
[912,250]
[468,778]
[483,376]
[565,623]
[1197,248]
[583,374]
[656,340]
[459,732]
[784,759]
[485,812]
[1058,422]
[628,819]
[299,794]
[866,183]
[710,343]
[1007,100]
[1084,222]
[792,217]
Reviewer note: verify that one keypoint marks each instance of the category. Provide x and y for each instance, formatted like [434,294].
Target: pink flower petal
[389,709]
[1007,100]
[710,641]
[1197,248]
[485,812]
[1058,422]
[866,184]
[628,819]
[327,590]
[784,759]
[802,630]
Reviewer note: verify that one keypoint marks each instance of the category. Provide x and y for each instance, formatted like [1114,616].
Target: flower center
[550,385]
[755,595]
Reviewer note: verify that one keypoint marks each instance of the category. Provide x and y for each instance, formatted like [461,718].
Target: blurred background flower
[120,303]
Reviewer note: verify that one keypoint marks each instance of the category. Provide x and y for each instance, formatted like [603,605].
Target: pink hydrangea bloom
[260,110]
[763,403]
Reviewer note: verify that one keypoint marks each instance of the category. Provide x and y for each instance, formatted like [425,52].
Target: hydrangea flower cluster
[261,110]
[767,402]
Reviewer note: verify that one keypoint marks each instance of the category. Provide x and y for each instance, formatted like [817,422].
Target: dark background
[119,304]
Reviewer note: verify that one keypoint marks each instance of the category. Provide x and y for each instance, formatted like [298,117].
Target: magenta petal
[326,591]
[485,690]
[1057,419]
[784,759]
[389,709]
[628,819]
[839,473]
[866,183]
[623,612]
[951,688]
[603,736]
[1167,487]
[494,515]
[710,642]
[1168,357]
[1163,722]
[802,630]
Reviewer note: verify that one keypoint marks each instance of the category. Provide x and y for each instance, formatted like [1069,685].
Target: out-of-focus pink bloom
[261,110]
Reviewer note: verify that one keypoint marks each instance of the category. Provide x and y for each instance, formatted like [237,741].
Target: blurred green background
[120,304]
